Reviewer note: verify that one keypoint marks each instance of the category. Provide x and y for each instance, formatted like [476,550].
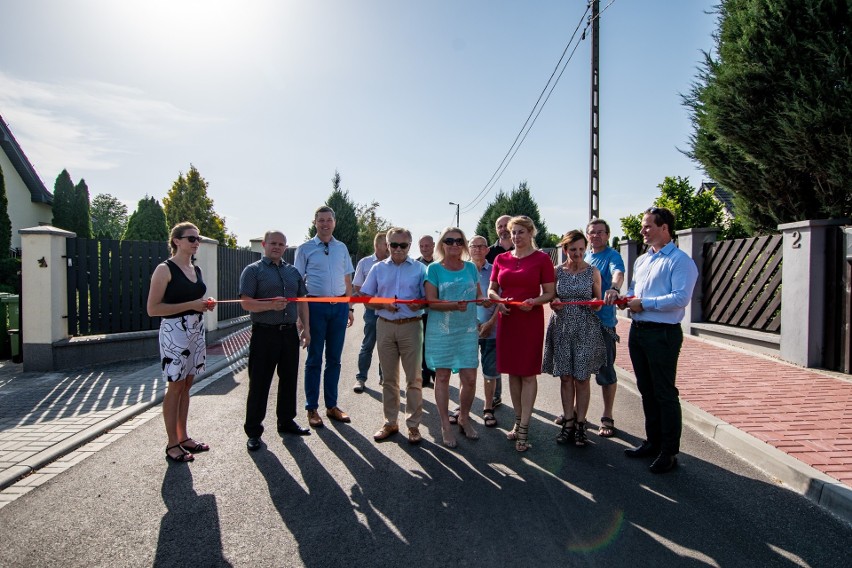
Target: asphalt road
[337,498]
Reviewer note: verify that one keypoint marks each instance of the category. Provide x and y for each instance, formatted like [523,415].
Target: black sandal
[182,458]
[580,439]
[198,447]
[488,418]
[607,427]
[566,435]
[522,443]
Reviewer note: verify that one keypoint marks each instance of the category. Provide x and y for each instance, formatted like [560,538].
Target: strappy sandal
[198,447]
[607,427]
[522,442]
[488,418]
[183,457]
[513,433]
[566,435]
[580,439]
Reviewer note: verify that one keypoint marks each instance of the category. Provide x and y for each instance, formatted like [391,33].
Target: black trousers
[427,374]
[654,351]
[270,349]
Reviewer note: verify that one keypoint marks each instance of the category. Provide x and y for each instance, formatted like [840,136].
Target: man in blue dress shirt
[663,281]
[325,265]
[399,333]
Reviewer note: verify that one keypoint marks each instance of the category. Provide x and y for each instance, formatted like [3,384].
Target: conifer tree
[519,202]
[147,223]
[82,216]
[346,219]
[188,201]
[771,109]
[63,200]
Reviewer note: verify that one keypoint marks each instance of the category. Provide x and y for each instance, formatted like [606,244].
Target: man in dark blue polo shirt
[275,339]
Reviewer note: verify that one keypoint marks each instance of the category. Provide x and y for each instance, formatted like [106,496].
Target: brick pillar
[44,295]
[692,241]
[803,273]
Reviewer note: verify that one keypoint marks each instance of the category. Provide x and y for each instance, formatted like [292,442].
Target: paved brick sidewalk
[804,413]
[44,416]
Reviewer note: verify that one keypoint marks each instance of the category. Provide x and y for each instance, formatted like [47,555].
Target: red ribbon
[379,300]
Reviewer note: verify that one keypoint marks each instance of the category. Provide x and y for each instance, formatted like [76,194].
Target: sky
[414,103]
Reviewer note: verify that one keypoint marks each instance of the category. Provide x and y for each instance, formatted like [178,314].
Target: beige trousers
[401,343]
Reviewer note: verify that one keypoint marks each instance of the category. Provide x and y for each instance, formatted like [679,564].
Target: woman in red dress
[524,275]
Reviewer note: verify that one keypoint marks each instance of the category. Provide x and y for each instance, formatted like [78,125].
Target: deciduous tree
[109,217]
[691,210]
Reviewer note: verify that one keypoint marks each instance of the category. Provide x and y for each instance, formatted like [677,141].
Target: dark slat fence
[108,284]
[742,283]
[231,263]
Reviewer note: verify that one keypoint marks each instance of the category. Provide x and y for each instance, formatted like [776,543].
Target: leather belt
[401,321]
[275,326]
[321,296]
[653,324]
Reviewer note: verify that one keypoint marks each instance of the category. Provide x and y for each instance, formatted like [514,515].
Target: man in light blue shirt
[325,265]
[663,281]
[399,333]
[365,356]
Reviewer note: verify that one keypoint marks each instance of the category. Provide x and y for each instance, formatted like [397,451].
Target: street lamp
[457,213]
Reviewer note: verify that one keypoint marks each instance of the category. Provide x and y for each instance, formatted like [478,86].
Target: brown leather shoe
[387,431]
[314,419]
[337,414]
[414,436]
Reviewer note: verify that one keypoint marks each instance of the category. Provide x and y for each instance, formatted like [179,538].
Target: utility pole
[457,213]
[594,162]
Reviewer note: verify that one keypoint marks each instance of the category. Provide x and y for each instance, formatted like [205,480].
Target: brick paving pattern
[803,413]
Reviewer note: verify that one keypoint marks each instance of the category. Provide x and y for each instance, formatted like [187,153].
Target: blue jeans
[365,357]
[328,329]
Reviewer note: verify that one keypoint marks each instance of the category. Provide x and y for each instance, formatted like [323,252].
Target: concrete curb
[822,489]
[68,445]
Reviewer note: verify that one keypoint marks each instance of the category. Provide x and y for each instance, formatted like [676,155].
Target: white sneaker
[359,386]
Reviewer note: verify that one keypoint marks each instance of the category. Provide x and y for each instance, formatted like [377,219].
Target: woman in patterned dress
[452,339]
[177,296]
[574,348]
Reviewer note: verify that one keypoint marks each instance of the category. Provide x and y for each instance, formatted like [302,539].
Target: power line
[525,129]
[486,188]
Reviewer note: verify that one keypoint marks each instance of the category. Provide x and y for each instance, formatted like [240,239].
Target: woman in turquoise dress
[452,340]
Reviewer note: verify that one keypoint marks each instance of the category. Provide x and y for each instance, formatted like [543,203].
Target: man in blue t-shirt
[611,266]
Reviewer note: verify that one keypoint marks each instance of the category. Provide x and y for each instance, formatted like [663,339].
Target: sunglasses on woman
[191,238]
[450,242]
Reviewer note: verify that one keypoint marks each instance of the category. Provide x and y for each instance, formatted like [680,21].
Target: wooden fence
[108,284]
[231,263]
[742,283]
